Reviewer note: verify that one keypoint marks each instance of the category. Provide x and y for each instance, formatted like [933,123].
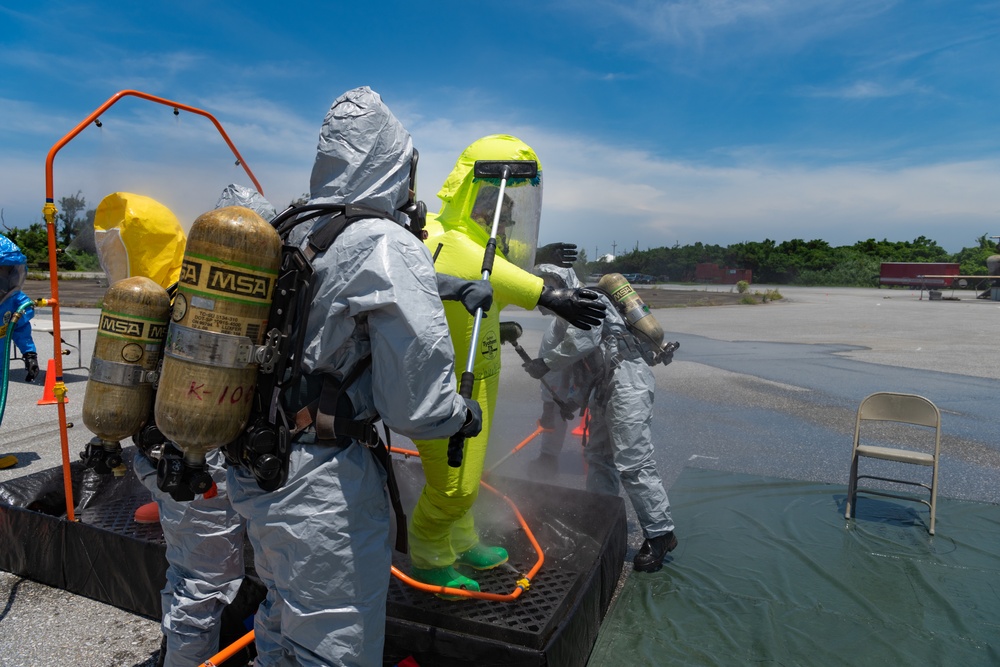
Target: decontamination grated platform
[108,557]
[555,622]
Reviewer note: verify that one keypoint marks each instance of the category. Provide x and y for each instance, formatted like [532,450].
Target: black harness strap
[324,410]
[382,456]
[323,238]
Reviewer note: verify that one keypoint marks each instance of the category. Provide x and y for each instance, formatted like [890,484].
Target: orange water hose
[516,449]
[229,651]
[49,213]
[522,584]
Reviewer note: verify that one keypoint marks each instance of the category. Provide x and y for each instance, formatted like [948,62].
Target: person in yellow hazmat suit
[442,531]
[138,236]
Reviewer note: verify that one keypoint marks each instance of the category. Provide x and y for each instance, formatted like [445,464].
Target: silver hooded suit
[321,541]
[620,443]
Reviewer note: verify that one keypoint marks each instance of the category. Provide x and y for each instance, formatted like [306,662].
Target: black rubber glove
[510,332]
[30,366]
[537,368]
[473,419]
[580,307]
[472,293]
[667,355]
[560,254]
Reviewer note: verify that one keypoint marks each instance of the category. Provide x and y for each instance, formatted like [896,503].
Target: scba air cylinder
[219,319]
[636,313]
[119,394]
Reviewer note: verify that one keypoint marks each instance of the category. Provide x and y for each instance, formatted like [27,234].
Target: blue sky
[656,123]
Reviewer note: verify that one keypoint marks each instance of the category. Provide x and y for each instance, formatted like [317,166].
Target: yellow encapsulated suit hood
[138,236]
[469,202]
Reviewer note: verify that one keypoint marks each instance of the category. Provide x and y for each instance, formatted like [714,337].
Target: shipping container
[712,273]
[914,274]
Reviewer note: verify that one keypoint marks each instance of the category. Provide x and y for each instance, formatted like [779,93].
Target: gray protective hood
[557,276]
[363,156]
[240,195]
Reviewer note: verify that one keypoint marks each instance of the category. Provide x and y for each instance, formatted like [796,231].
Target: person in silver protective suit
[564,391]
[204,537]
[619,449]
[321,541]
[563,394]
[204,549]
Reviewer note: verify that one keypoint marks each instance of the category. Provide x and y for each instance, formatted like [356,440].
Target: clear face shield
[517,231]
[112,254]
[11,279]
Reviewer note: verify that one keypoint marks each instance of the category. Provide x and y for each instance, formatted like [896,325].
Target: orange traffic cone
[583,427]
[48,395]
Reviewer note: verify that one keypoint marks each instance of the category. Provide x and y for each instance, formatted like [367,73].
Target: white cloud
[595,194]
[600,194]
[697,23]
[143,147]
[861,90]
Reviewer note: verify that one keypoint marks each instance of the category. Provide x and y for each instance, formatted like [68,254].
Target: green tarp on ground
[768,572]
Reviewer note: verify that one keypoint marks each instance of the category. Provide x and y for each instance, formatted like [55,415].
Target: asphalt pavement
[768,389]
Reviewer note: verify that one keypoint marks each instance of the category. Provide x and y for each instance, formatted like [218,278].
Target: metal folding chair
[905,409]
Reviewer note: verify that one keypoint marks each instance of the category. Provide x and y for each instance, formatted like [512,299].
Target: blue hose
[5,365]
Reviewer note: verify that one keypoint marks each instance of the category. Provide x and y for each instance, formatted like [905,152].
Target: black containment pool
[555,621]
[108,557]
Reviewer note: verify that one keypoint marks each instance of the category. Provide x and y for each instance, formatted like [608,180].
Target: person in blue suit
[13,270]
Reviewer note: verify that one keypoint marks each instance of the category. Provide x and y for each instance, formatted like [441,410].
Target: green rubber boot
[448,577]
[481,557]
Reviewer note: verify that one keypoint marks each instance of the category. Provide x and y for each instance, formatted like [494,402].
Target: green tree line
[798,262]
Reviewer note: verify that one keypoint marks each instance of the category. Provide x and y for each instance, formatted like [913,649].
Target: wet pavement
[772,389]
[767,389]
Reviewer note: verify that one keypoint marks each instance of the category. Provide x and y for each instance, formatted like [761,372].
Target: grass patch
[757,296]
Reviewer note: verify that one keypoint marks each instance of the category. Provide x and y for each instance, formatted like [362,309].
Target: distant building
[713,273]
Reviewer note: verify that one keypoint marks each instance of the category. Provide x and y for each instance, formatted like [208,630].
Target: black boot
[651,555]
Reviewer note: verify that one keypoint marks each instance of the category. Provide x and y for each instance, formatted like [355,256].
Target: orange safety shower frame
[49,212]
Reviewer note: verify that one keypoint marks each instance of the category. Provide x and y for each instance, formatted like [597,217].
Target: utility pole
[614,249]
